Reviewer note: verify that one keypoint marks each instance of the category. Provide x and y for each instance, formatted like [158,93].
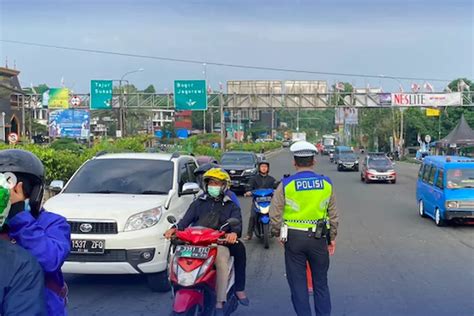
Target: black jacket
[261,182]
[208,212]
[21,282]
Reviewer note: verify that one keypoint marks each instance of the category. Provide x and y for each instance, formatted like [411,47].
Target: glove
[15,209]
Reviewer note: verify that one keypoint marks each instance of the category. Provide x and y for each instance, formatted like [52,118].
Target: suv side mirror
[56,186]
[190,188]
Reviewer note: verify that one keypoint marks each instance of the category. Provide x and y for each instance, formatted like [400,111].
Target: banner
[58,98]
[426,99]
[349,116]
[432,112]
[69,123]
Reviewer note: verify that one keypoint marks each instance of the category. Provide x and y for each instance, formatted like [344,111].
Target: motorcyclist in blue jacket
[43,234]
[21,277]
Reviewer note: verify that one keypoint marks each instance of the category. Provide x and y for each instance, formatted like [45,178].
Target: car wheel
[421,208]
[394,181]
[338,168]
[438,220]
[367,180]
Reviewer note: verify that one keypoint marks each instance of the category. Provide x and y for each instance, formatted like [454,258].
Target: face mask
[214,191]
[4,199]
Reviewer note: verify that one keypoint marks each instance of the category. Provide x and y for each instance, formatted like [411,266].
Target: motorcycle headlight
[265,210]
[144,220]
[452,204]
[339,161]
[248,172]
[356,162]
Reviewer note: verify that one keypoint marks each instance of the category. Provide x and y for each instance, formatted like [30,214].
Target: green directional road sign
[190,95]
[101,95]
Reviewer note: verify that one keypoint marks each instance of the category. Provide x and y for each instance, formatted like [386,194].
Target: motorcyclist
[237,250]
[43,234]
[212,210]
[21,277]
[262,180]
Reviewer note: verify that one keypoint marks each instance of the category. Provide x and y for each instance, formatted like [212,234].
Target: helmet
[29,170]
[263,162]
[303,149]
[218,174]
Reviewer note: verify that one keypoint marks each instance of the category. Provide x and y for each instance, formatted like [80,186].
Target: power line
[201,62]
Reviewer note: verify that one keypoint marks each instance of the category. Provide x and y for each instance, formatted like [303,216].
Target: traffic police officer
[304,214]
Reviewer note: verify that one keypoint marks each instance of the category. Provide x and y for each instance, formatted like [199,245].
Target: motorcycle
[261,206]
[192,273]
[331,157]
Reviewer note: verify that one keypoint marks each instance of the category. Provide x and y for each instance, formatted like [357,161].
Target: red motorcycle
[192,271]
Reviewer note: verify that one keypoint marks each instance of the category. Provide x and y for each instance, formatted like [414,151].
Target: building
[10,102]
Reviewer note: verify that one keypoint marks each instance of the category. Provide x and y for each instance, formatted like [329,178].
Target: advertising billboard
[69,123]
[58,98]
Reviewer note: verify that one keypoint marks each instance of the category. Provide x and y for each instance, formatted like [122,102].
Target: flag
[428,87]
[415,87]
[340,86]
[462,85]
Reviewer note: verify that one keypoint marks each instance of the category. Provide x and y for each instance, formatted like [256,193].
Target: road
[389,261]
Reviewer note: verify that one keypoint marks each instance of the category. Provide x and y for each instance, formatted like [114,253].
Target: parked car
[115,205]
[348,161]
[377,167]
[445,189]
[201,160]
[241,166]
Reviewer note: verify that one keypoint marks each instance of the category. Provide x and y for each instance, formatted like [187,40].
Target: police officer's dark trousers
[300,248]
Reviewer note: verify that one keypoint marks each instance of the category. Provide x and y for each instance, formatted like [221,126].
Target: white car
[117,206]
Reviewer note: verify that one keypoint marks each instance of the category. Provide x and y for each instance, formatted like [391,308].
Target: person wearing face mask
[237,250]
[212,210]
[44,235]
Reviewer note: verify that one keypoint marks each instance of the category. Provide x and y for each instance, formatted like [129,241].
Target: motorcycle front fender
[186,299]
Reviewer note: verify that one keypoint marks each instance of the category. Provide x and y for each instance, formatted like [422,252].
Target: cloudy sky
[406,38]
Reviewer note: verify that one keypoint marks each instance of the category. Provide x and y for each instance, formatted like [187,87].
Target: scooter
[261,206]
[192,272]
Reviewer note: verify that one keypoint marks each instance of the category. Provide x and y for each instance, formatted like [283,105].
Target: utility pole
[221,110]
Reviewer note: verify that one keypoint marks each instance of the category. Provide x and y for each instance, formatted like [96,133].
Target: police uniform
[305,205]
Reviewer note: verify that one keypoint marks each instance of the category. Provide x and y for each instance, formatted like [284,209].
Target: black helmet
[29,169]
[264,162]
[204,168]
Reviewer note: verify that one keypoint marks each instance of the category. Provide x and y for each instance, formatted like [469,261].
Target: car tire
[338,168]
[438,220]
[421,208]
[367,180]
[393,181]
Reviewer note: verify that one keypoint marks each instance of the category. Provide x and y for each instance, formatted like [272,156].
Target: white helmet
[303,148]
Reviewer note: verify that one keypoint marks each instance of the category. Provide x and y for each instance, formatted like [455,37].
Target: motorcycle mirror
[286,175]
[171,219]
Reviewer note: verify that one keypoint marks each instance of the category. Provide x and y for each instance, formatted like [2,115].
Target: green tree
[150,89]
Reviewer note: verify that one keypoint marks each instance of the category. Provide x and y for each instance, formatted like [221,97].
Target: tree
[150,89]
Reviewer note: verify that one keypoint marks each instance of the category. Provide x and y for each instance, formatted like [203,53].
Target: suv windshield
[460,178]
[238,159]
[348,156]
[123,176]
[379,163]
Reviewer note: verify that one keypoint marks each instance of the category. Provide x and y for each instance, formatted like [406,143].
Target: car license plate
[381,177]
[194,252]
[86,246]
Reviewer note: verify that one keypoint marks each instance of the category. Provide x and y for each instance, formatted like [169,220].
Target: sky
[406,38]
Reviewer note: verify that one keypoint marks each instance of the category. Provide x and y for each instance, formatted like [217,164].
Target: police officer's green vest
[307,197]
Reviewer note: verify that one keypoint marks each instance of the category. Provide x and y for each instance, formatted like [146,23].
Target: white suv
[117,206]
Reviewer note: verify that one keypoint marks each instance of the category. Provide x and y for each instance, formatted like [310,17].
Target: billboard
[69,123]
[348,116]
[190,95]
[101,94]
[58,98]
[426,99]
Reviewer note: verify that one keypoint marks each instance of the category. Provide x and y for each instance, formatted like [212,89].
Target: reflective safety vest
[307,196]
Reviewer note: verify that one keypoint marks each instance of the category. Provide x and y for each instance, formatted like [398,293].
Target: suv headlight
[452,204]
[144,220]
[248,172]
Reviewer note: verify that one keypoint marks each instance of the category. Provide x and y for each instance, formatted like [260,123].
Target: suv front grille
[104,228]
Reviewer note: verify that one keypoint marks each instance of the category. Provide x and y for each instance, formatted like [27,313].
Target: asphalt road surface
[388,261]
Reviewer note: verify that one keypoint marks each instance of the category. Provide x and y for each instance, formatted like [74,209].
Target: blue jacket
[48,238]
[21,282]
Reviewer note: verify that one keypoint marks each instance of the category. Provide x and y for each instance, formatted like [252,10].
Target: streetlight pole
[121,109]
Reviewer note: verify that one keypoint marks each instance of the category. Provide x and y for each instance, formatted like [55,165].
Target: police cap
[303,149]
